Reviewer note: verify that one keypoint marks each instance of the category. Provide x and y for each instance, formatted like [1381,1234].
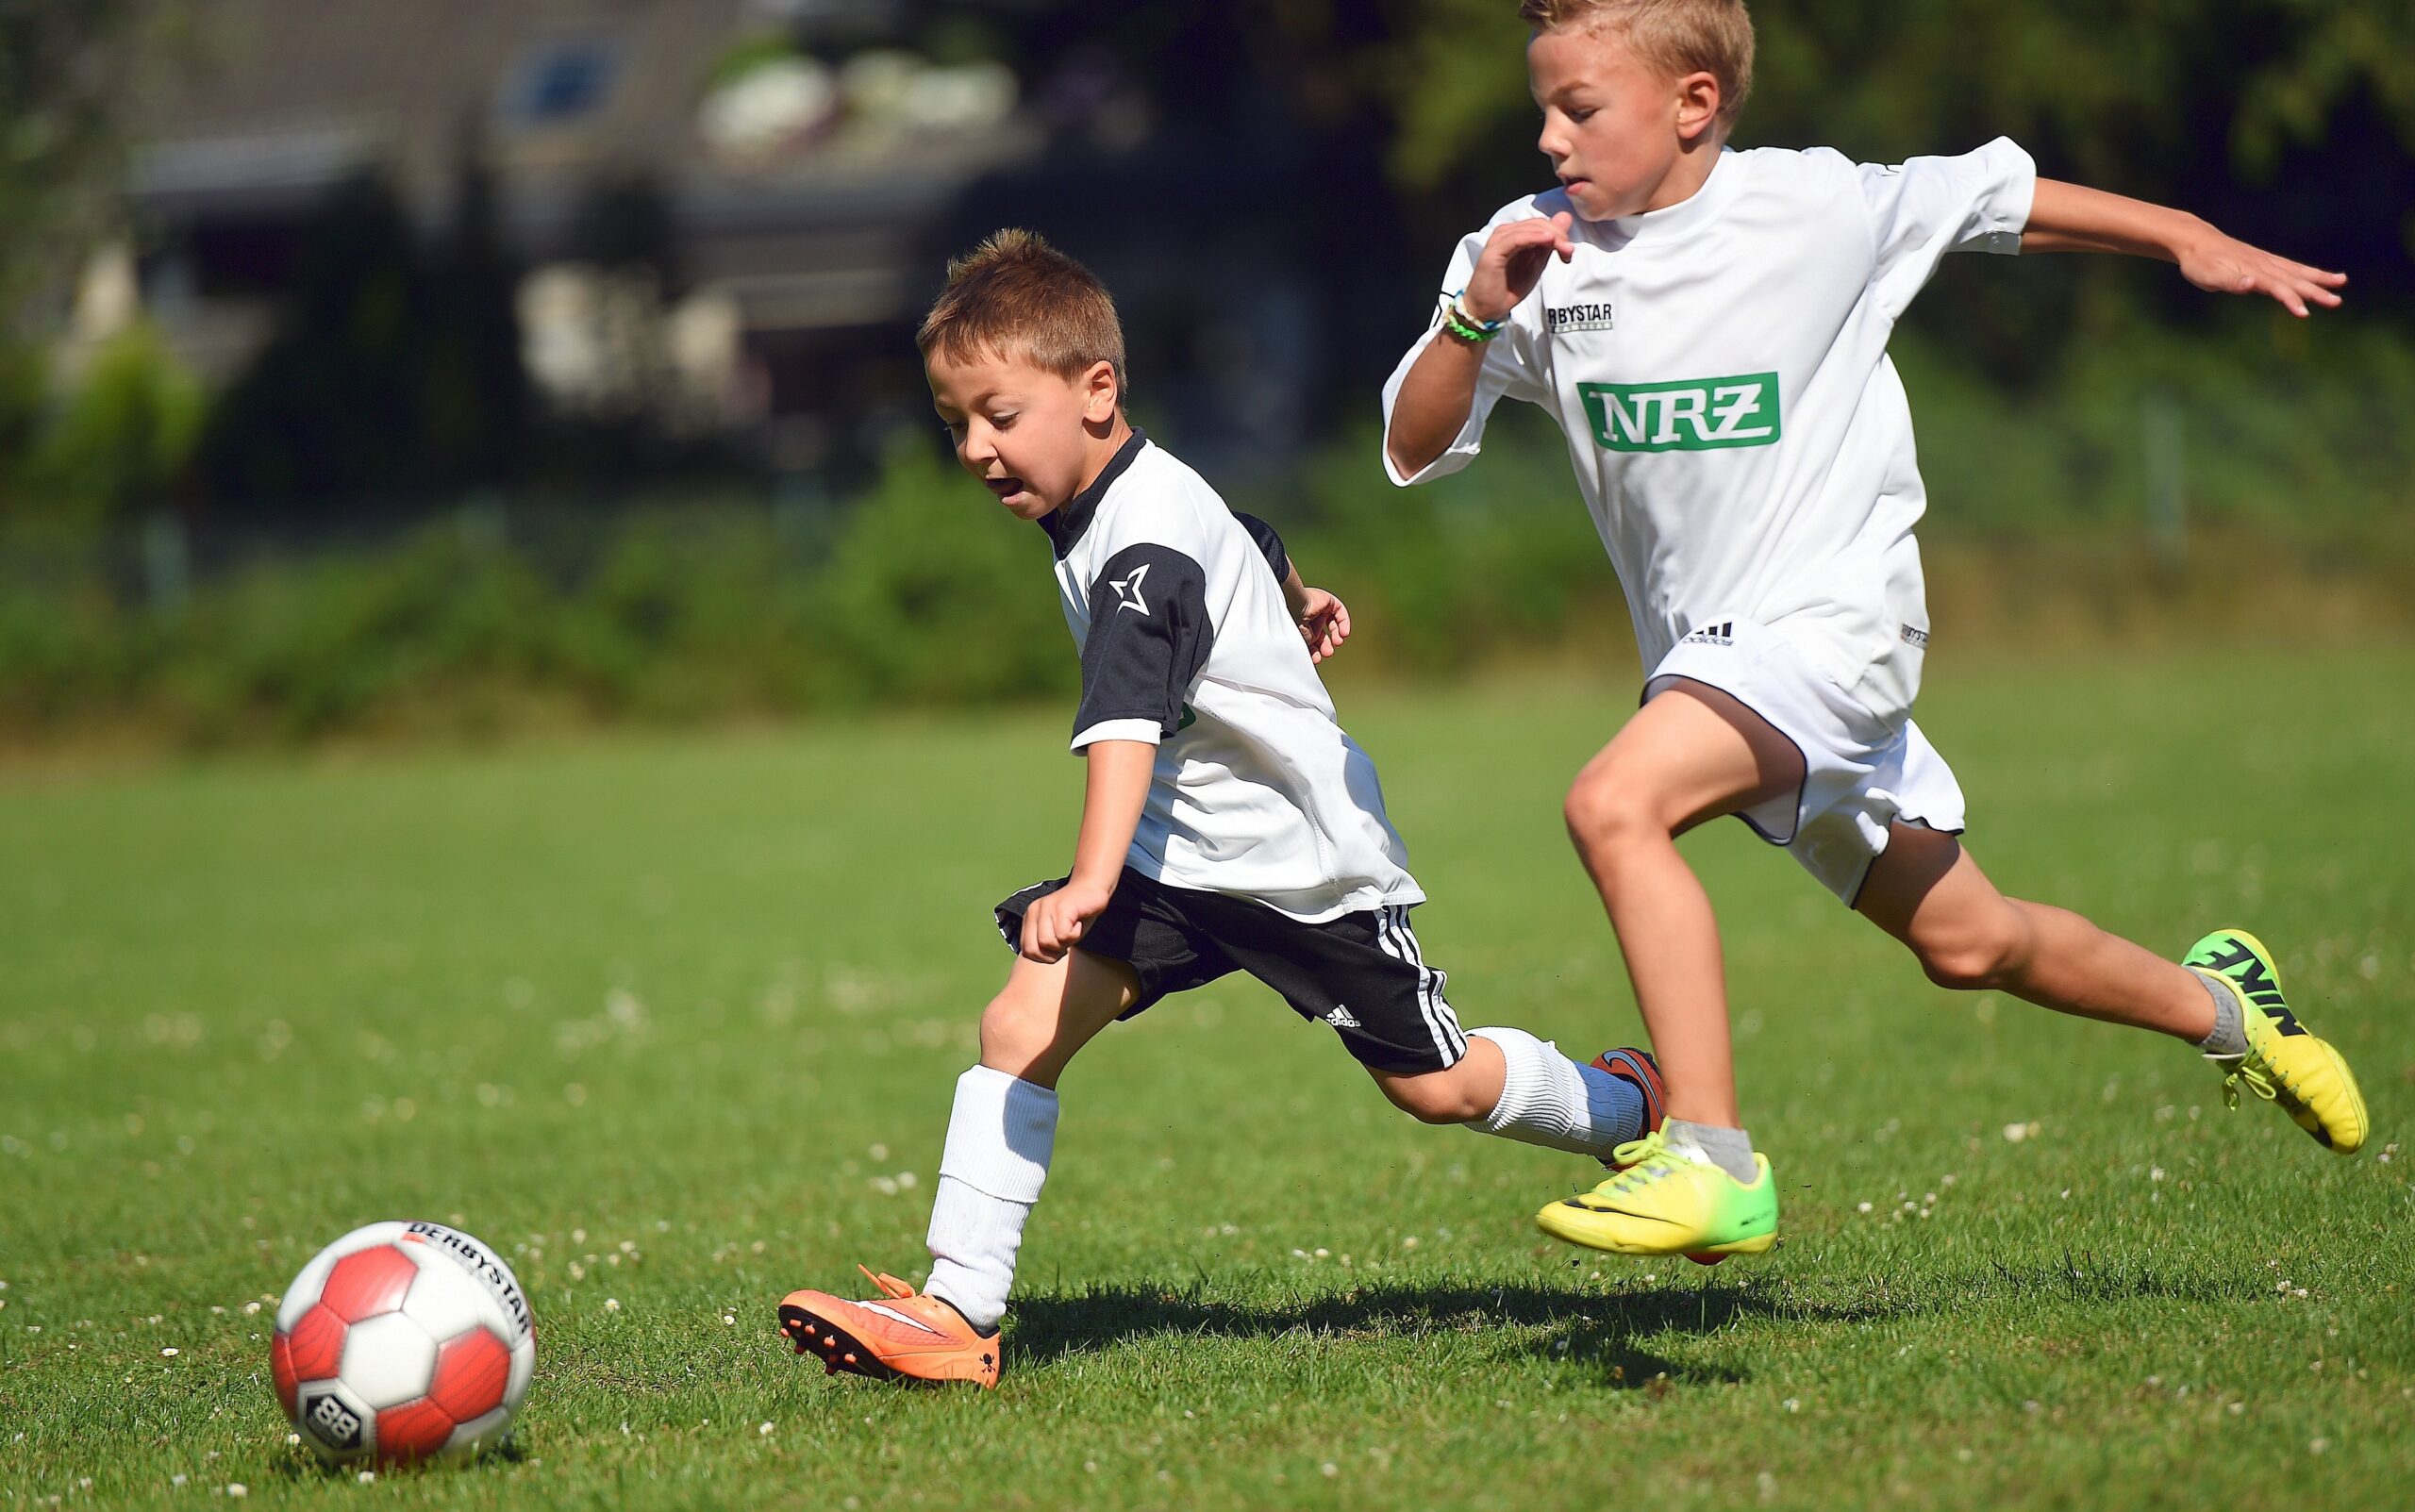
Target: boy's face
[1613,126]
[1025,432]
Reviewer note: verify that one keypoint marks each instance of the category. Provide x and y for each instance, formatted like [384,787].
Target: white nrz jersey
[1187,643]
[1720,370]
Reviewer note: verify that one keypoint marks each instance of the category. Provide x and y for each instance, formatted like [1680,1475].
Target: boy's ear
[1697,103]
[1101,393]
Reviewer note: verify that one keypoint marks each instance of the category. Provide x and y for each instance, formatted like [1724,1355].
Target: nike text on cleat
[901,1335]
[1664,1202]
[1637,1068]
[2284,1064]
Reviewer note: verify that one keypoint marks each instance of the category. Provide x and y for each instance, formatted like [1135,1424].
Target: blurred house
[724,216]
[709,220]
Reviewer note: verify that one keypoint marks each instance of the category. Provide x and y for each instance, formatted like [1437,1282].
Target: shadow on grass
[1595,1330]
[1598,1328]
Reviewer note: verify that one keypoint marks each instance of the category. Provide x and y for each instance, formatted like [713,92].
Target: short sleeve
[1149,635]
[1270,545]
[1509,371]
[1924,208]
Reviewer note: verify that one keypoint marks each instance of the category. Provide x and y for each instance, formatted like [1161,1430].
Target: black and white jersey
[1187,643]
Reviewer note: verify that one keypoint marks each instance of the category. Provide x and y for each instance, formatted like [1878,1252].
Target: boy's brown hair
[1677,37]
[1017,296]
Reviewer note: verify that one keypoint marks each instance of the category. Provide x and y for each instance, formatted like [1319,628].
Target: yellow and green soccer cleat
[1662,1203]
[2284,1064]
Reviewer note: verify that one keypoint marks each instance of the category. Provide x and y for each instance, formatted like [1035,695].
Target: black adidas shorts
[1360,973]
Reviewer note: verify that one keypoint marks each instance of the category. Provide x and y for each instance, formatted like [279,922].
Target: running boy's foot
[1663,1202]
[1637,1066]
[2284,1064]
[903,1334]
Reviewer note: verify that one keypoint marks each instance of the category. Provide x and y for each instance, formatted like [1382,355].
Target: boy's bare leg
[1045,1014]
[1690,754]
[1927,891]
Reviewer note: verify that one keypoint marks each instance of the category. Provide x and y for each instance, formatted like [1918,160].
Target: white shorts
[1860,773]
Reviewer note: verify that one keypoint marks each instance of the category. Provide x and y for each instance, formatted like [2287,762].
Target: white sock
[1730,1150]
[999,1138]
[1550,1100]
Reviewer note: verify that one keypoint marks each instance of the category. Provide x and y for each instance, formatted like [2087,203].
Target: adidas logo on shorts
[1342,1018]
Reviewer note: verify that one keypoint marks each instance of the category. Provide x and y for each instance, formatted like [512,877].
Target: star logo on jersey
[1127,589]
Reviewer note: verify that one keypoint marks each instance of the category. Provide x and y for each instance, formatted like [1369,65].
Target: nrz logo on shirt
[1690,415]
[1558,318]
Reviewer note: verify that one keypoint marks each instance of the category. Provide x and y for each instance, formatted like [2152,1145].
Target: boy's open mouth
[1004,487]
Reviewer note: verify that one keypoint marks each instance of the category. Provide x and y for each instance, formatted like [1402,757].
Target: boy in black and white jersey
[1708,328]
[1228,823]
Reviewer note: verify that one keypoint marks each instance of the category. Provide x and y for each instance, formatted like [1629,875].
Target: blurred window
[558,82]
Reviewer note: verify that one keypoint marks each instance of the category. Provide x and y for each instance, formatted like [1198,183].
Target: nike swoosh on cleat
[911,1322]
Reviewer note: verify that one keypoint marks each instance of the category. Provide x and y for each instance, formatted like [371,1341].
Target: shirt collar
[1065,525]
[1689,215]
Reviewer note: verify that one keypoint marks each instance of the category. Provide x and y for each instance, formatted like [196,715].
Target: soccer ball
[402,1342]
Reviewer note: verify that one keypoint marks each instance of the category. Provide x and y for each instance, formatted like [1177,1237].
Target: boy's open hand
[2226,265]
[1325,623]
[1512,263]
[1056,922]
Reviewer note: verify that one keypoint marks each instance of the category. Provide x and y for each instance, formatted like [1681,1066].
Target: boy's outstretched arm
[2071,218]
[1117,789]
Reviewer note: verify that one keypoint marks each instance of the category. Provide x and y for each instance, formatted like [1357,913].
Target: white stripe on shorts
[1441,1005]
[1400,942]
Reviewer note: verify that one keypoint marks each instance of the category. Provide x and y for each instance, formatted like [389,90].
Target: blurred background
[466,367]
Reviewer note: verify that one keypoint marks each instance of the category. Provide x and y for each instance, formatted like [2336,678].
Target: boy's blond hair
[1677,37]
[1017,296]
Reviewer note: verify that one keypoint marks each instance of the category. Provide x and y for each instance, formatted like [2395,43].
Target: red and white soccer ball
[402,1342]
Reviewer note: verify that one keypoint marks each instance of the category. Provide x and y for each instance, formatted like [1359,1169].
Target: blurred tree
[69,69]
[394,368]
[119,441]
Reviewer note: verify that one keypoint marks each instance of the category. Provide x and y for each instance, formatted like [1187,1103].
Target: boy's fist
[1056,922]
[1512,263]
[2226,265]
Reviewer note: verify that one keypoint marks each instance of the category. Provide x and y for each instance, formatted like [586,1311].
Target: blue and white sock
[1549,1099]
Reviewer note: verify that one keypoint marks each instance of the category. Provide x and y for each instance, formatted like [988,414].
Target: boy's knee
[1013,1033]
[1434,1096]
[1975,958]
[1604,813]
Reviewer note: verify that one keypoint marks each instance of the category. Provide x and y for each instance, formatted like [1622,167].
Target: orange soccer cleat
[904,1333]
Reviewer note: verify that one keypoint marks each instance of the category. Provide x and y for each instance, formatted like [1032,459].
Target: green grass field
[673,1022]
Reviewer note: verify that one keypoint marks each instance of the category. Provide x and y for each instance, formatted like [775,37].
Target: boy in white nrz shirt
[1709,329]
[1228,823]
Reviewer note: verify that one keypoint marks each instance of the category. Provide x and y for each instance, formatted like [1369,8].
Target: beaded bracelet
[1456,319]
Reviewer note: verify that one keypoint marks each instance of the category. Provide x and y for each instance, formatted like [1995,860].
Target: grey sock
[1730,1150]
[2230,1040]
